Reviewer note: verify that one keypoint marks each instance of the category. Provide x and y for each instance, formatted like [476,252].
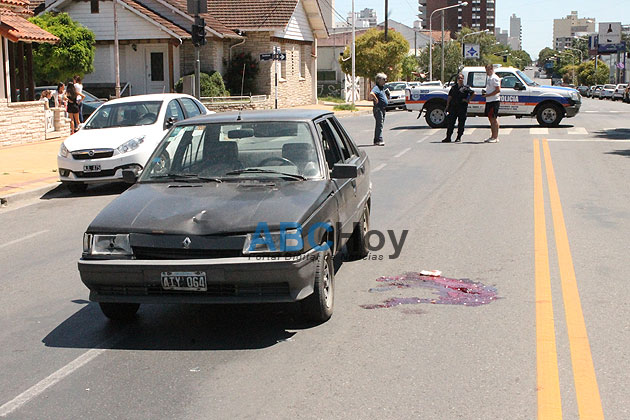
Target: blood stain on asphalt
[449,291]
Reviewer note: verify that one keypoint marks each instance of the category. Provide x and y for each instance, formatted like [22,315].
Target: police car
[520,97]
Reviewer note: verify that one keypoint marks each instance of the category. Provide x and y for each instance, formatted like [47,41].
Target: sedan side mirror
[170,122]
[344,171]
[129,176]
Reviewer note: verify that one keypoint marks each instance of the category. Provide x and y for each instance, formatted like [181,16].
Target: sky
[536,15]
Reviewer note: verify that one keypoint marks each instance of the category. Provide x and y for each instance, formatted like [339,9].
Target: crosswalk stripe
[506,131]
[577,130]
[538,130]
[469,131]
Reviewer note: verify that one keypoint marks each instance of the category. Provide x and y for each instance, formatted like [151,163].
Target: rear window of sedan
[219,150]
[126,114]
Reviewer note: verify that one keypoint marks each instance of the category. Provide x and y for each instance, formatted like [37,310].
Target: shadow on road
[625,153]
[92,191]
[180,327]
[513,126]
[614,134]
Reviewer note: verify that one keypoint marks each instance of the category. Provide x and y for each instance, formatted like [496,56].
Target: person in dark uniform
[456,108]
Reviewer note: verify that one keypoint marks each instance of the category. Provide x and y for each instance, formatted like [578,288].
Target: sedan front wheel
[318,307]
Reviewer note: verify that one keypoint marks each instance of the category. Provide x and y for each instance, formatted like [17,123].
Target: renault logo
[186,243]
[91,153]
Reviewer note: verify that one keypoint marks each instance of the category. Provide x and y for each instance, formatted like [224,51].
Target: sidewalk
[26,167]
[364,107]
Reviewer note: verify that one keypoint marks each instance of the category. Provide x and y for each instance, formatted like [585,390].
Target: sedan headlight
[99,244]
[130,145]
[575,96]
[289,240]
[63,151]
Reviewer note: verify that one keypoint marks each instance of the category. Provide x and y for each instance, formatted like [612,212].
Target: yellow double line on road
[586,389]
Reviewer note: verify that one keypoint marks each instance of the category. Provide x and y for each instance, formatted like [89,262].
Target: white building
[366,18]
[516,33]
[566,28]
[502,36]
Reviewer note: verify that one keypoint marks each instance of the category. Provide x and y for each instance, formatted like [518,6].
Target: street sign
[266,56]
[280,56]
[612,48]
[276,56]
[196,7]
[609,33]
[472,51]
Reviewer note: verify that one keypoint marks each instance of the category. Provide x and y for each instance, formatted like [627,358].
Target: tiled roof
[248,14]
[23,3]
[16,28]
[180,32]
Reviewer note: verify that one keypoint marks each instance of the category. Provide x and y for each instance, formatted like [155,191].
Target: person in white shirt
[58,96]
[493,102]
[79,88]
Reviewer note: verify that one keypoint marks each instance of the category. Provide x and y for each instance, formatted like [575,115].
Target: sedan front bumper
[230,280]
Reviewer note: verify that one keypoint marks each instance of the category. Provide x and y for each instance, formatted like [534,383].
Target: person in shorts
[493,102]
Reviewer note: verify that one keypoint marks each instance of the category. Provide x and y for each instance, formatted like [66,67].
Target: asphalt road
[553,243]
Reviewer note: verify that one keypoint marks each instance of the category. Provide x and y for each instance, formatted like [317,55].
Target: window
[157,67]
[190,107]
[283,64]
[174,111]
[304,53]
[508,80]
[345,139]
[331,151]
[94,6]
[477,79]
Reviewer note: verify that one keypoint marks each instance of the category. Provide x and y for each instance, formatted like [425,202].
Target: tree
[487,43]
[520,58]
[587,76]
[545,54]
[410,65]
[242,62]
[74,54]
[211,85]
[374,55]
[452,59]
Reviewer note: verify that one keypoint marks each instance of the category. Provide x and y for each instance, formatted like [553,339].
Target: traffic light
[199,32]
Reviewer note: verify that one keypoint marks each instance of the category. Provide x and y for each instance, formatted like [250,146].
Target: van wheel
[549,115]
[76,187]
[357,244]
[435,116]
[318,307]
[119,311]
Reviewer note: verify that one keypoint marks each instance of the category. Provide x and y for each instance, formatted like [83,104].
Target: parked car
[90,103]
[584,91]
[596,91]
[250,207]
[607,91]
[626,95]
[433,83]
[619,92]
[121,134]
[396,95]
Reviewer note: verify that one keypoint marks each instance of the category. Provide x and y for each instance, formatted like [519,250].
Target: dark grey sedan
[234,208]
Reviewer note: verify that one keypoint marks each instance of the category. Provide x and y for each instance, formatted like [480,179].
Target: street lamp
[485,31]
[431,37]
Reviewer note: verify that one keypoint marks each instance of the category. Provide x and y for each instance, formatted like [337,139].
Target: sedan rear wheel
[435,116]
[318,307]
[119,311]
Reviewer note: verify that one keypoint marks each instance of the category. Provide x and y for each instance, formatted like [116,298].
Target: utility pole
[116,52]
[386,19]
[442,75]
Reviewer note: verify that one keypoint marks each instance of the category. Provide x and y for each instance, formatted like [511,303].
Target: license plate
[91,168]
[184,280]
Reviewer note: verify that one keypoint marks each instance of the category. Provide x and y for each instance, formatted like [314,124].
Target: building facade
[366,18]
[566,28]
[516,33]
[478,14]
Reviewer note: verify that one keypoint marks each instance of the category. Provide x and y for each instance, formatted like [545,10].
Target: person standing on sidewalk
[79,88]
[457,108]
[378,95]
[58,96]
[493,102]
[72,98]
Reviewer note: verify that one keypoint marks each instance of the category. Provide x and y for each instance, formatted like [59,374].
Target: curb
[26,195]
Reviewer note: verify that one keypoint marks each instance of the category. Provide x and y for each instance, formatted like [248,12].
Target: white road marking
[422,139]
[379,167]
[402,153]
[577,130]
[23,238]
[433,131]
[592,140]
[538,130]
[49,381]
[469,131]
[506,131]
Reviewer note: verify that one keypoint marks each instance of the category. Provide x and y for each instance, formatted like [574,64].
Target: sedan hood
[106,138]
[210,209]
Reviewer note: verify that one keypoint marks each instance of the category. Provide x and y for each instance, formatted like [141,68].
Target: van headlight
[100,244]
[63,150]
[130,145]
[574,96]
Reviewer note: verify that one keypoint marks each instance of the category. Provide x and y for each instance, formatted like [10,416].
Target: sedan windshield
[235,151]
[126,114]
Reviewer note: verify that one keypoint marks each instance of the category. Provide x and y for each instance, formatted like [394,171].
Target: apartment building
[478,14]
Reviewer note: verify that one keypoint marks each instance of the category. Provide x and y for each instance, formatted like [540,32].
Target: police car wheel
[435,117]
[549,115]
